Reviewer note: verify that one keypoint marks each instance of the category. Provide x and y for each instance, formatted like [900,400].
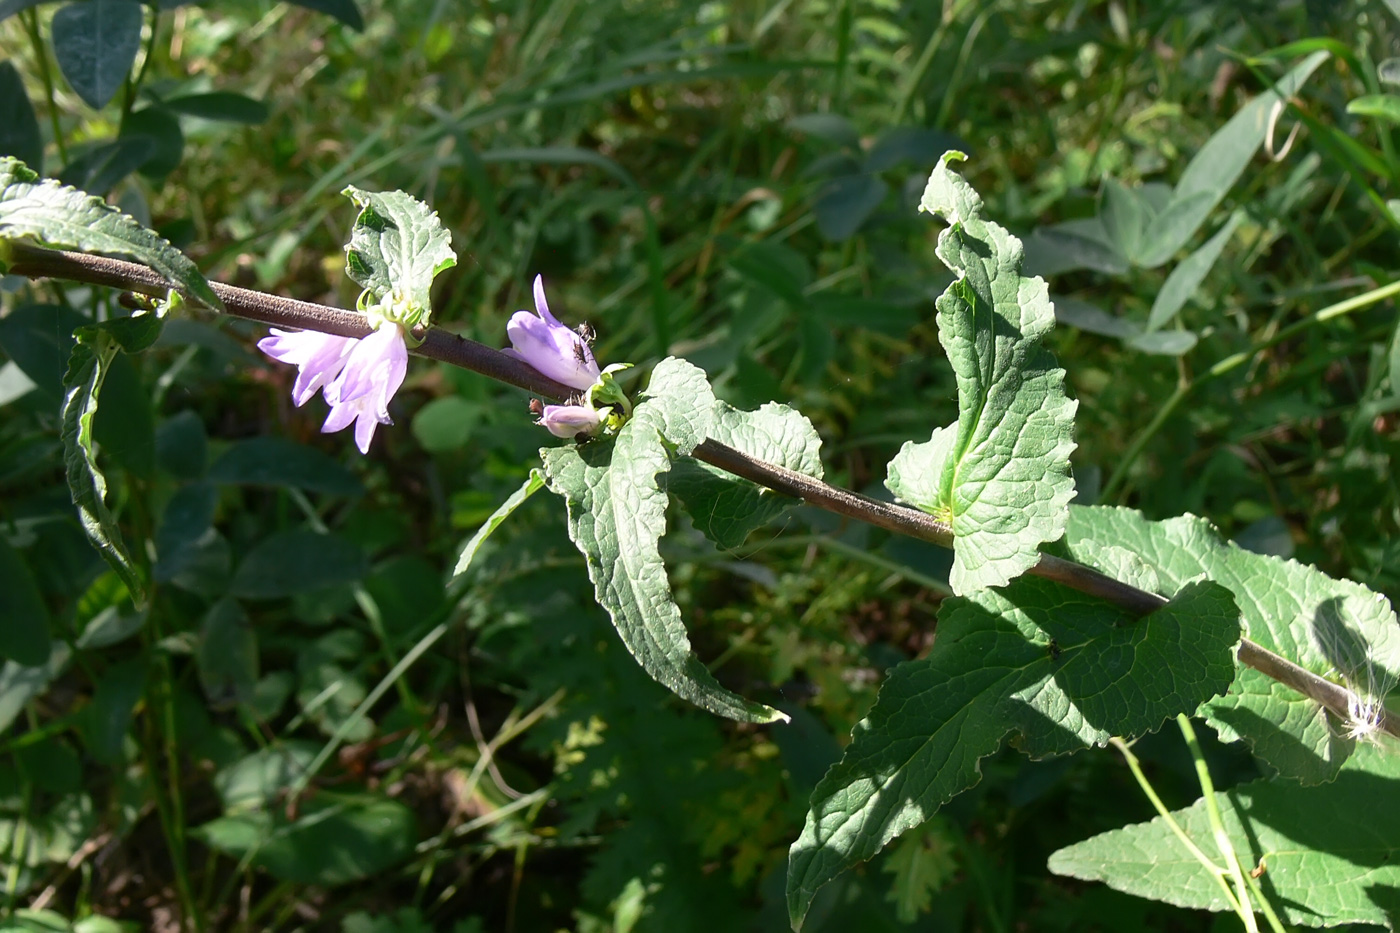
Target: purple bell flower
[569,421]
[550,347]
[372,375]
[318,357]
[359,376]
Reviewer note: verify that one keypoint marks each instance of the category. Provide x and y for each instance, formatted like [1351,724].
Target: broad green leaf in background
[397,246]
[95,43]
[19,127]
[107,718]
[1330,854]
[1001,476]
[220,105]
[296,561]
[227,654]
[60,217]
[725,507]
[275,461]
[24,619]
[338,838]
[1074,244]
[92,357]
[344,10]
[846,202]
[161,129]
[1334,628]
[1215,169]
[1062,670]
[98,169]
[1188,275]
[617,514]
[1125,216]
[188,516]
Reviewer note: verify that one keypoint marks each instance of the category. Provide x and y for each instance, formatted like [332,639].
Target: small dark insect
[580,352]
[587,333]
[1055,651]
[536,407]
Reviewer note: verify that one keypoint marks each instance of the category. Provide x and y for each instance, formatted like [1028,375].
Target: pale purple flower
[372,374]
[549,346]
[318,357]
[569,421]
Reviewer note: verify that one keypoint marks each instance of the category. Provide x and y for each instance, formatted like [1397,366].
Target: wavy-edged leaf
[727,508]
[1330,854]
[1001,476]
[1061,669]
[1215,169]
[60,217]
[1331,627]
[397,247]
[617,514]
[91,359]
[95,43]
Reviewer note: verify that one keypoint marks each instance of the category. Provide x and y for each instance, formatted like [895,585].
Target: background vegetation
[335,738]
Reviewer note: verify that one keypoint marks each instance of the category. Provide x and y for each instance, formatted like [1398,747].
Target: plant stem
[445,347]
[1230,363]
[1217,825]
[1216,871]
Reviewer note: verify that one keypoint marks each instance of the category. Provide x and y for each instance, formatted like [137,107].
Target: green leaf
[99,169]
[108,718]
[397,247]
[1330,854]
[19,127]
[87,368]
[727,508]
[1188,276]
[1064,247]
[1215,169]
[220,105]
[95,43]
[39,340]
[344,10]
[60,217]
[1381,106]
[338,839]
[1334,628]
[921,863]
[617,514]
[845,203]
[20,683]
[1124,216]
[1001,476]
[533,484]
[296,561]
[9,8]
[259,779]
[24,631]
[832,127]
[447,423]
[227,655]
[275,461]
[1061,669]
[161,129]
[187,518]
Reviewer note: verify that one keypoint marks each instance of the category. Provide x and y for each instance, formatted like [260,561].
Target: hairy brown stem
[444,347]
